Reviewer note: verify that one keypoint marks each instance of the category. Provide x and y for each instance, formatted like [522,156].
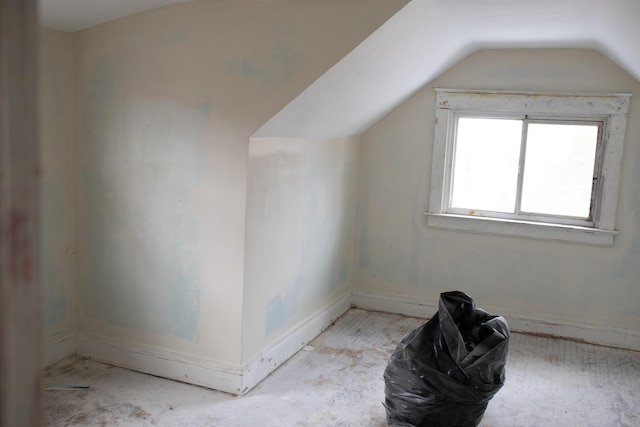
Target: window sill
[530,230]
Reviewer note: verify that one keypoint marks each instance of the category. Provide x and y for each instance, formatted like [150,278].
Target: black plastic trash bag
[445,372]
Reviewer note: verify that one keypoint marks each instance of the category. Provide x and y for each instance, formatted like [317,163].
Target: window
[536,165]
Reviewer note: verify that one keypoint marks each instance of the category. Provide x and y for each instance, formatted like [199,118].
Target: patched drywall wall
[398,254]
[56,192]
[165,104]
[300,229]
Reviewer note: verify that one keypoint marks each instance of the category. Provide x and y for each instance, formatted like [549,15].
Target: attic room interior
[243,206]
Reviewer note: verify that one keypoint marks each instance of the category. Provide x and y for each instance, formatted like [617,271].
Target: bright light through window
[485,174]
[559,169]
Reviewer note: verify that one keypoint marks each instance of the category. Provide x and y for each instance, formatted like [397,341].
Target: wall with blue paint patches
[300,229]
[398,254]
[165,104]
[56,186]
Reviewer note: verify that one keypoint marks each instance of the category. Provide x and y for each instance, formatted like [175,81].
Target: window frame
[609,109]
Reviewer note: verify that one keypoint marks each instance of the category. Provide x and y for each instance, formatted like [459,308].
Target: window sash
[611,108]
[519,214]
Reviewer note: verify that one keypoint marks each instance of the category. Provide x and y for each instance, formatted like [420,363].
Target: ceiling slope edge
[426,37]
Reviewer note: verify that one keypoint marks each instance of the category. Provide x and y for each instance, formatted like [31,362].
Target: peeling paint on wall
[145,255]
[281,308]
[141,164]
[301,223]
[275,67]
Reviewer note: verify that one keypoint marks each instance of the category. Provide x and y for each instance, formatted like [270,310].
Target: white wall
[570,284]
[165,104]
[56,193]
[300,233]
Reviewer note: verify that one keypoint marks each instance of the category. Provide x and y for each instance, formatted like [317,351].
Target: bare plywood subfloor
[337,381]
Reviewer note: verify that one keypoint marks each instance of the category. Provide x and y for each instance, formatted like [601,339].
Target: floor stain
[138,412]
[339,351]
[69,366]
[321,380]
[80,419]
[554,360]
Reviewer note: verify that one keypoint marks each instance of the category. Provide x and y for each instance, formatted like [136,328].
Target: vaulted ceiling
[417,44]
[426,37]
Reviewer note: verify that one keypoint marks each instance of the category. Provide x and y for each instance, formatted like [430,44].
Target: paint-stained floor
[337,381]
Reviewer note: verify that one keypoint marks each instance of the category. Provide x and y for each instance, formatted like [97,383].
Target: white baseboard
[205,372]
[387,303]
[58,349]
[628,339]
[238,380]
[594,334]
[163,363]
[279,352]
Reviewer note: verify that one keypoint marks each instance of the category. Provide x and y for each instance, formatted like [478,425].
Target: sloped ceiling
[428,36]
[417,44]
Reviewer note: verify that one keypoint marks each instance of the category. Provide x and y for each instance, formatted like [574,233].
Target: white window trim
[610,108]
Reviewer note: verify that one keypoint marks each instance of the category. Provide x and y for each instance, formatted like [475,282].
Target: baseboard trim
[268,360]
[594,334]
[239,380]
[608,336]
[208,373]
[388,303]
[58,349]
[177,366]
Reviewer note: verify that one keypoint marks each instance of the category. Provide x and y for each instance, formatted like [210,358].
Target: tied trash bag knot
[444,373]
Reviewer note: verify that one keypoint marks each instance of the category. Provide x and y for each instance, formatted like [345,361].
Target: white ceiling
[75,15]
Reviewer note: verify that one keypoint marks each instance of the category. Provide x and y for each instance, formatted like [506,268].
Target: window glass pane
[558,169]
[485,173]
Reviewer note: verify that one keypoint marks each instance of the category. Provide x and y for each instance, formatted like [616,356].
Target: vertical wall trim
[272,357]
[20,325]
